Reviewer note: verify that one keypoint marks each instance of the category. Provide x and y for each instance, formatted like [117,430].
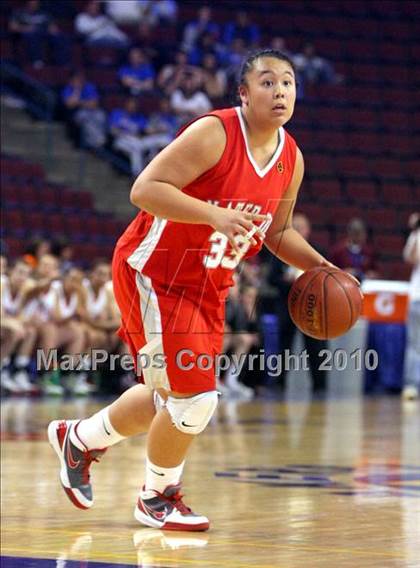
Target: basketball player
[64,304]
[100,318]
[238,340]
[18,331]
[17,335]
[223,188]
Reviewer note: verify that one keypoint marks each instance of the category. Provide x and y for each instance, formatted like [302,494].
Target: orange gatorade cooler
[385,301]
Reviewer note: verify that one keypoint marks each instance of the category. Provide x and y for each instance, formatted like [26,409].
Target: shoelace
[89,458]
[177,501]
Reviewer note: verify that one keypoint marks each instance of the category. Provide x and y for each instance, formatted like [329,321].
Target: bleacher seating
[359,138]
[33,207]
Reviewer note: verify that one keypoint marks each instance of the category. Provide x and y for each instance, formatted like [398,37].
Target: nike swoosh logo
[161,474]
[72,463]
[158,515]
[103,424]
[187,425]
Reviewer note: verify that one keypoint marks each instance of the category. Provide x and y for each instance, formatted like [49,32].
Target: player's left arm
[281,239]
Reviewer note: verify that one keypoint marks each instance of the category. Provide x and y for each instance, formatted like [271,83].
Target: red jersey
[195,260]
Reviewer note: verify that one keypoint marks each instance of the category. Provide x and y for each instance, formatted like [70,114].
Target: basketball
[325,302]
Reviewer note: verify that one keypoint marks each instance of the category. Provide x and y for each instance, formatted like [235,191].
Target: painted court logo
[370,479]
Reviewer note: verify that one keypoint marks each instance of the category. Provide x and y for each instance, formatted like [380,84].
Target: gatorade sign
[385,301]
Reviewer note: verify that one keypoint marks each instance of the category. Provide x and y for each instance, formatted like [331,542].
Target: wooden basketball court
[295,484]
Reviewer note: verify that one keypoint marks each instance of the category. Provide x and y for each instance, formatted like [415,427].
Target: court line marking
[295,547]
[118,557]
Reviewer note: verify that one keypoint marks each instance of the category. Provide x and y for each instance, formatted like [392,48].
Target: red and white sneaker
[167,511]
[75,463]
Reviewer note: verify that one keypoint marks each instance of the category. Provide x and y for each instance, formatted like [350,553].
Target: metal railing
[40,100]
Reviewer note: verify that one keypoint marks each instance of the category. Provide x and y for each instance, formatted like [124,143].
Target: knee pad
[191,415]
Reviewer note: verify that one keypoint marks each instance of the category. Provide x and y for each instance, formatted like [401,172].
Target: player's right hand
[232,222]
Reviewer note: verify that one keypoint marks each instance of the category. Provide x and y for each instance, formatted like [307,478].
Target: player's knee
[19,332]
[191,415]
[30,333]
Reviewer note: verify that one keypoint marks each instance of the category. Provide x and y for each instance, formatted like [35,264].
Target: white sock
[231,377]
[96,432]
[22,361]
[81,376]
[158,478]
[5,362]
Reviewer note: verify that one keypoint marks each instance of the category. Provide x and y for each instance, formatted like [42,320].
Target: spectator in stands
[98,29]
[138,75]
[160,128]
[189,101]
[196,28]
[172,74]
[281,277]
[251,273]
[233,60]
[411,255]
[252,377]
[92,122]
[213,79]
[166,11]
[242,28]
[279,43]
[127,126]
[145,40]
[207,43]
[35,29]
[161,12]
[150,12]
[77,95]
[236,53]
[312,68]
[353,254]
[124,12]
[237,341]
[155,133]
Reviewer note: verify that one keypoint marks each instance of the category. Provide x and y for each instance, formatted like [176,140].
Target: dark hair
[66,271]
[58,245]
[99,262]
[34,243]
[249,61]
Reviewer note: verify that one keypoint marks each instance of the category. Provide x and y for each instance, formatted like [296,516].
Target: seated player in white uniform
[101,319]
[63,305]
[18,332]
